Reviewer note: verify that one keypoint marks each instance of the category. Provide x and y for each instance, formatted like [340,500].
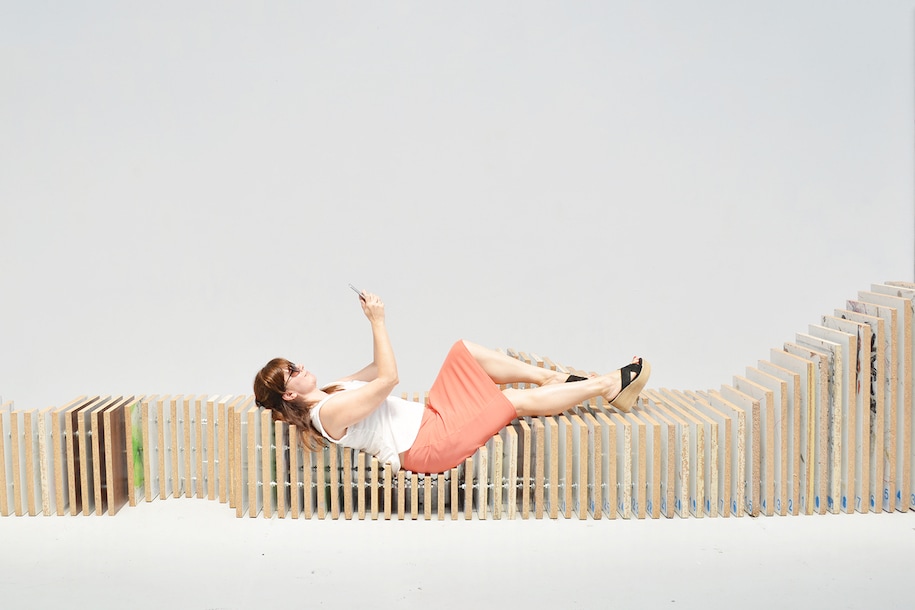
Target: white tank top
[385,433]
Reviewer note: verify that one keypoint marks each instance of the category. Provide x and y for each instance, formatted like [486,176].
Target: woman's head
[287,390]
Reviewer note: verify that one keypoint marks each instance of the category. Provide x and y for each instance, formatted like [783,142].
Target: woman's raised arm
[345,409]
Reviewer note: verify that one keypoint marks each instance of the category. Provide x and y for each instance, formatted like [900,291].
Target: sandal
[631,387]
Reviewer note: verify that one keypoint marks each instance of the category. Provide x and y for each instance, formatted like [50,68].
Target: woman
[465,406]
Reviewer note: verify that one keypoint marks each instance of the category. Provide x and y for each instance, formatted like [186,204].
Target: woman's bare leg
[555,399]
[505,369]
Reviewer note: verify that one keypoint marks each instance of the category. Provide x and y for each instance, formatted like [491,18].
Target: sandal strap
[625,373]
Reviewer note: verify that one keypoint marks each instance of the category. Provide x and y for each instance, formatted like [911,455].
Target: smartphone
[357,291]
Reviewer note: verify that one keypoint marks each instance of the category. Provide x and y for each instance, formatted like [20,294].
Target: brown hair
[269,387]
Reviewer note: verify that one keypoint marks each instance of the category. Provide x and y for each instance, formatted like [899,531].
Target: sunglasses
[293,371]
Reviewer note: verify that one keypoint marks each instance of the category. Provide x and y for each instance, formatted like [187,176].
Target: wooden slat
[455,498]
[890,344]
[510,469]
[210,446]
[725,462]
[737,421]
[685,493]
[6,474]
[386,497]
[750,407]
[903,360]
[792,430]
[906,290]
[496,476]
[296,483]
[30,448]
[117,455]
[375,488]
[88,456]
[564,457]
[846,349]
[876,404]
[537,455]
[653,465]
[767,457]
[699,456]
[525,459]
[860,390]
[175,446]
[322,501]
[199,433]
[401,494]
[482,481]
[15,423]
[360,485]
[831,410]
[268,481]
[347,483]
[806,424]
[149,448]
[624,463]
[282,471]
[820,430]
[163,440]
[333,463]
[46,463]
[779,392]
[192,473]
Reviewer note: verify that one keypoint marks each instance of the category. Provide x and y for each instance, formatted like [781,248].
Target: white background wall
[187,188]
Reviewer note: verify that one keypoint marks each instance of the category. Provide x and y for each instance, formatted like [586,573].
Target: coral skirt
[465,408]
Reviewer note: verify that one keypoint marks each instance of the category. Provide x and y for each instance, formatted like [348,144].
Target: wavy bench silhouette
[824,425]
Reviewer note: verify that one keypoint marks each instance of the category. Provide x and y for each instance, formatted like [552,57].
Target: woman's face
[300,381]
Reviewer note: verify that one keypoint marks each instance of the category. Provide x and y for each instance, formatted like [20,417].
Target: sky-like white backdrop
[187,188]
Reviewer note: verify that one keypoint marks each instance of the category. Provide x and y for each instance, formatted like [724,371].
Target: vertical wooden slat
[15,444]
[117,455]
[889,355]
[162,440]
[360,485]
[320,482]
[441,496]
[269,480]
[347,483]
[282,472]
[468,488]
[538,452]
[334,465]
[200,450]
[46,462]
[496,476]
[401,494]
[175,446]
[5,460]
[876,404]
[455,498]
[211,454]
[375,488]
[296,482]
[387,491]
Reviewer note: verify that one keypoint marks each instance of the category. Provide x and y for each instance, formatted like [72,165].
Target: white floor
[195,554]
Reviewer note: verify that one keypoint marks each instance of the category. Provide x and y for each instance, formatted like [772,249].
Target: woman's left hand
[373,307]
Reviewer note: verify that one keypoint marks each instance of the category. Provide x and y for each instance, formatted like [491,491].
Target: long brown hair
[269,387]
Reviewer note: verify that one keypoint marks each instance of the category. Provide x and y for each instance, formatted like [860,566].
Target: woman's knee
[518,400]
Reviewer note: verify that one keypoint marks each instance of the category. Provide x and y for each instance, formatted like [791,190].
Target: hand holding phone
[357,291]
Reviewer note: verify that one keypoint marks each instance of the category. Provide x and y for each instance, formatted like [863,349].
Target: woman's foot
[623,393]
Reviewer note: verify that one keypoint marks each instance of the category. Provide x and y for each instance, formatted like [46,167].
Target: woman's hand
[372,307]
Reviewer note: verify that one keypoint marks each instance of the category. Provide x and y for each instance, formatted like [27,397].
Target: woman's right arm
[348,408]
